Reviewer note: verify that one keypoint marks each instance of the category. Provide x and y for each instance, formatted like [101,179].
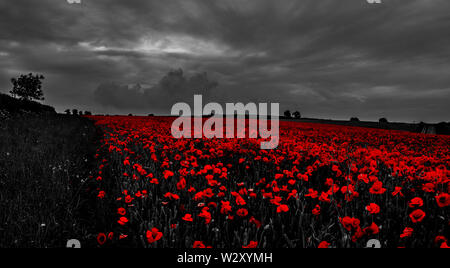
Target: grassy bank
[44,169]
[13,105]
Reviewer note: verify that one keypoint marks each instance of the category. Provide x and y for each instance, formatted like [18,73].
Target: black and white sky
[326,58]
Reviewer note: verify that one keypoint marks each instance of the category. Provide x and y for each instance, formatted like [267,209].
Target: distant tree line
[381,120]
[294,115]
[297,115]
[76,112]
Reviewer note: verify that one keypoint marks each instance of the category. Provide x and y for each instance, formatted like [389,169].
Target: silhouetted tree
[297,115]
[354,119]
[80,113]
[383,121]
[28,87]
[287,114]
[67,111]
[74,112]
[87,113]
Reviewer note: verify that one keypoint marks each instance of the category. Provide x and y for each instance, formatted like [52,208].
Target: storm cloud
[326,58]
[173,88]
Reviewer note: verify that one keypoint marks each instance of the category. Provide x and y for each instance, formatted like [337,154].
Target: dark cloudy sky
[327,58]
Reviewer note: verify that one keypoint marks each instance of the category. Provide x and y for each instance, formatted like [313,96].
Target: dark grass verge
[13,105]
[45,164]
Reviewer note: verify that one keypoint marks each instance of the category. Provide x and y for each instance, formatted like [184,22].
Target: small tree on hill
[28,87]
[354,119]
[74,112]
[383,121]
[297,115]
[287,114]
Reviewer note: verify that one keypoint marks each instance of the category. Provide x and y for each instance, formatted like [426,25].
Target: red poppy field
[324,186]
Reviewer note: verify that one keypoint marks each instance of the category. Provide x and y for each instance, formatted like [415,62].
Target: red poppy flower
[276,200]
[122,221]
[417,216]
[192,190]
[240,201]
[168,174]
[101,239]
[356,222]
[206,215]
[377,188]
[364,178]
[198,244]
[188,218]
[101,194]
[359,233]
[373,208]
[443,200]
[253,244]
[324,197]
[335,168]
[128,199]
[429,188]
[440,239]
[350,223]
[329,182]
[121,211]
[313,194]
[316,210]
[416,202]
[372,229]
[347,223]
[242,212]
[303,177]
[208,193]
[324,244]
[267,195]
[154,235]
[256,222]
[282,208]
[398,191]
[226,208]
[181,185]
[172,196]
[122,236]
[407,232]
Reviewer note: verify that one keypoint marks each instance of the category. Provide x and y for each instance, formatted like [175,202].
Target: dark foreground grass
[45,163]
